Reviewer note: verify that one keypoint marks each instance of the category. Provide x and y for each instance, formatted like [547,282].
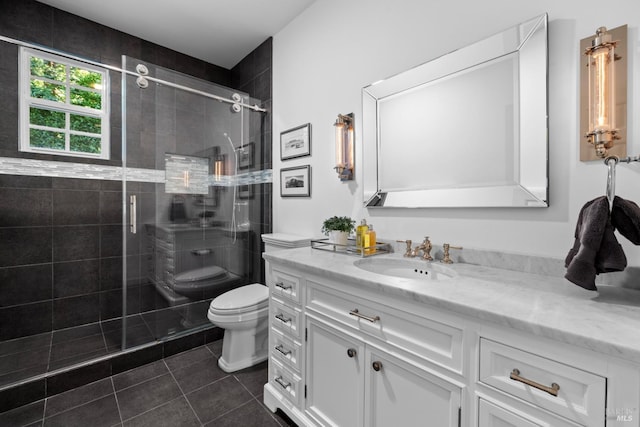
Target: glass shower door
[185,239]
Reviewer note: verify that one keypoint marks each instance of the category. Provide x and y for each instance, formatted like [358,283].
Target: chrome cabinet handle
[351,352]
[283,286]
[377,366]
[132,213]
[553,390]
[283,319]
[357,313]
[281,349]
[282,383]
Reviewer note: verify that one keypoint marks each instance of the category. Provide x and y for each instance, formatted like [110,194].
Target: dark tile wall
[253,75]
[34,22]
[60,239]
[60,253]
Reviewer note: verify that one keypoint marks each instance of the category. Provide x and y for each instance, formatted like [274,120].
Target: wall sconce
[604,94]
[345,159]
[218,167]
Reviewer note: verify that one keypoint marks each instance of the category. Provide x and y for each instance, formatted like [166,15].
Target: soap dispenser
[361,230]
[369,241]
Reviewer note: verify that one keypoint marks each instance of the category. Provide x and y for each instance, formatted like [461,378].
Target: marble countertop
[606,321]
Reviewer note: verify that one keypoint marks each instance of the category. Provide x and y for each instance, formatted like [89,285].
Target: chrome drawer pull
[283,286]
[282,383]
[553,390]
[357,313]
[280,348]
[283,319]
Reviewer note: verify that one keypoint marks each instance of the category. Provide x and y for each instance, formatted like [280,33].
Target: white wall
[324,57]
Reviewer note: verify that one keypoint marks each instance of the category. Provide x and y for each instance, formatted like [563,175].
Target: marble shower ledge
[49,168]
[607,321]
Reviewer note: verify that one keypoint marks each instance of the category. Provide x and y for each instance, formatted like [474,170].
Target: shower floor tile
[162,393]
[23,358]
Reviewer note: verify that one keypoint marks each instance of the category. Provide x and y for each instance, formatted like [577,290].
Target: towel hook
[611,178]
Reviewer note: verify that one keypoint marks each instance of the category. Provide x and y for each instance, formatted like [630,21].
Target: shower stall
[99,258]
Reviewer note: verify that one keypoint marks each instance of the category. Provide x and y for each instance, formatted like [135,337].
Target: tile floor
[188,389]
[23,358]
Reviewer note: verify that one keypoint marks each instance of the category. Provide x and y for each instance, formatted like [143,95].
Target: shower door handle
[132,213]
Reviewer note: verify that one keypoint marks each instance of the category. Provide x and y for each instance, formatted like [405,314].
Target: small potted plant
[338,229]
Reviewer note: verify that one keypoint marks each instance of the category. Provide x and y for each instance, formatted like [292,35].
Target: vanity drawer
[285,381]
[436,342]
[581,395]
[286,350]
[285,286]
[492,415]
[286,319]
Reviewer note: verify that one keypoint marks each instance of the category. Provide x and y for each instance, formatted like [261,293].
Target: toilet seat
[198,274]
[240,300]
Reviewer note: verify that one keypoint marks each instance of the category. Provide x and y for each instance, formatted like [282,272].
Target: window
[64,106]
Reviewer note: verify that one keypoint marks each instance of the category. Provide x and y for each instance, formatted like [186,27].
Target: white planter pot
[339,237]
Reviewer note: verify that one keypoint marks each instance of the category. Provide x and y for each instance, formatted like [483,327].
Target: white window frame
[26,102]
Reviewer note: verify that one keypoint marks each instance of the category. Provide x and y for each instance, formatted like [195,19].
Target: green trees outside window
[66,105]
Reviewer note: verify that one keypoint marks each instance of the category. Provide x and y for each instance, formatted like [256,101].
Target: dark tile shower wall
[253,75]
[60,253]
[60,239]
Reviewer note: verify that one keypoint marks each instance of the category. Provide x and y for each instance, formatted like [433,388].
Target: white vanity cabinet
[352,383]
[350,352]
[286,336]
[362,363]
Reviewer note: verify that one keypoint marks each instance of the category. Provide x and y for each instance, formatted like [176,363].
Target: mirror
[467,129]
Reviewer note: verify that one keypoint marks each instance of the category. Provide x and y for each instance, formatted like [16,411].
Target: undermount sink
[417,269]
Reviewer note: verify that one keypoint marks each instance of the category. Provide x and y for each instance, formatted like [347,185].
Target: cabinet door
[334,376]
[400,394]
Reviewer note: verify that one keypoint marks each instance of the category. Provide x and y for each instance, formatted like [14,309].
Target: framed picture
[246,155]
[295,142]
[245,191]
[295,182]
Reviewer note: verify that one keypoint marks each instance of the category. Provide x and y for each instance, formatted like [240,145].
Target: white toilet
[242,313]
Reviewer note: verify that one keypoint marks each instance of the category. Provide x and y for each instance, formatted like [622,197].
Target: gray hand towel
[595,249]
[625,217]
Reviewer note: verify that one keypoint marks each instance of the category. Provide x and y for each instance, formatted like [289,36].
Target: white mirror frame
[466,162]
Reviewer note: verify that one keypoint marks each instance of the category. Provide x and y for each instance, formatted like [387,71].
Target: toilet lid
[204,273]
[244,296]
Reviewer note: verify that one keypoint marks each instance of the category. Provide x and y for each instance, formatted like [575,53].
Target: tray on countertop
[350,248]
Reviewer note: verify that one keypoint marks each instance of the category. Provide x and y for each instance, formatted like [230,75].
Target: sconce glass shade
[603,94]
[345,161]
[601,68]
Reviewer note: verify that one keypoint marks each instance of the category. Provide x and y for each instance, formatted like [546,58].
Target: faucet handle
[445,248]
[408,252]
